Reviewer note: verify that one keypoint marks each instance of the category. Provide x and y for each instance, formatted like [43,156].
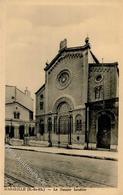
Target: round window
[63,79]
[99,78]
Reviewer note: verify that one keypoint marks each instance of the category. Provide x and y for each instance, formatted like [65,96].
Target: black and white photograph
[62,62]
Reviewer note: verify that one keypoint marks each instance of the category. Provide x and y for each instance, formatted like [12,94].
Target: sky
[34,30]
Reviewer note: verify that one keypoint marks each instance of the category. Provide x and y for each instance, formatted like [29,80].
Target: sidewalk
[104,155]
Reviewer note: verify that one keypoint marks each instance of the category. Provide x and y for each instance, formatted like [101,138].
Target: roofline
[16,88]
[43,86]
[94,57]
[19,104]
[66,50]
[104,64]
[10,85]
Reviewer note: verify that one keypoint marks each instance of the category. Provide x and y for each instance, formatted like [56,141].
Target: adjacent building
[18,113]
[78,103]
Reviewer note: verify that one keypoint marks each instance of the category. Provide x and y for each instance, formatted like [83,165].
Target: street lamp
[50,129]
[59,134]
[70,127]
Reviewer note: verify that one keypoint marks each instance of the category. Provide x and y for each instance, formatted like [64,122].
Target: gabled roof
[43,86]
[15,102]
[79,48]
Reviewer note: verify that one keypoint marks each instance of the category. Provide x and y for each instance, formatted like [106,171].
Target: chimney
[63,44]
[27,92]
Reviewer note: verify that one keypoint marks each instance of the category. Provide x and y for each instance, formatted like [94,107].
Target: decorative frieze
[99,69]
[64,56]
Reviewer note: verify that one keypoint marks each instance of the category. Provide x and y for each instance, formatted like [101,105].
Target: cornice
[68,55]
[71,52]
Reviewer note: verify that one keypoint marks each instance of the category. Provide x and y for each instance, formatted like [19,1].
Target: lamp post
[70,127]
[50,129]
[58,132]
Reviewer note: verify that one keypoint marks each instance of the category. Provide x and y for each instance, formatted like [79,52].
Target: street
[53,170]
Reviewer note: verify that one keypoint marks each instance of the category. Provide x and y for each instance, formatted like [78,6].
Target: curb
[67,154]
[87,156]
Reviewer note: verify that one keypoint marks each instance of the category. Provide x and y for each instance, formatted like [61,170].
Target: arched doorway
[21,131]
[63,113]
[104,131]
[63,123]
[63,120]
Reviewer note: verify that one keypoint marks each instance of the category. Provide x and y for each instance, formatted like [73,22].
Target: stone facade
[18,113]
[73,79]
[102,106]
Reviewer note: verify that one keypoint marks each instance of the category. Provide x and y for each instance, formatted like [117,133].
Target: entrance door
[21,131]
[104,132]
[63,124]
[63,129]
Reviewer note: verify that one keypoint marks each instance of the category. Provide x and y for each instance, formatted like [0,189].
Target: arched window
[78,122]
[98,92]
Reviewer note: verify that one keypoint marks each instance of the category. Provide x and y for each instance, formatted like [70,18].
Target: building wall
[24,99]
[24,125]
[81,90]
[11,108]
[77,68]
[38,100]
[111,110]
[108,82]
[14,94]
[9,94]
[76,91]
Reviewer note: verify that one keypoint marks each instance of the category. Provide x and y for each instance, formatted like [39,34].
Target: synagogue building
[78,103]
